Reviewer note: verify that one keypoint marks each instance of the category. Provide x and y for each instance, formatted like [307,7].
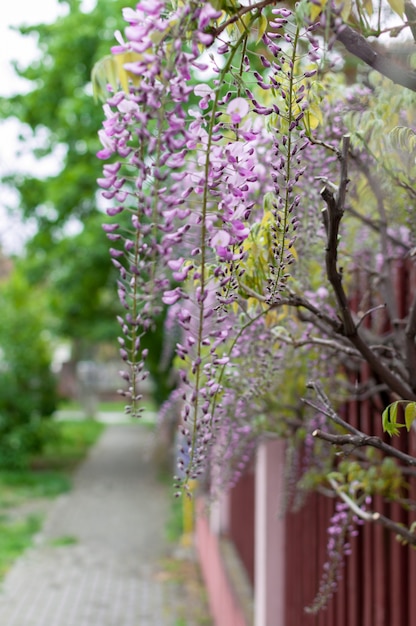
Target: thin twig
[372,310]
[365,515]
[239,14]
[297,302]
[376,225]
[362,440]
[319,341]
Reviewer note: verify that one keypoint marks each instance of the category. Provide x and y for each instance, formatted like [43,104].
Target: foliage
[390,414]
[27,385]
[70,444]
[17,487]
[57,111]
[60,121]
[264,199]
[79,285]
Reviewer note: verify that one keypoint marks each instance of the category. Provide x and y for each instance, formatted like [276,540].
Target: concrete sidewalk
[99,560]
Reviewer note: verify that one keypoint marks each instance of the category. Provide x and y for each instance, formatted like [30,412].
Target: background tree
[59,117]
[27,386]
[58,112]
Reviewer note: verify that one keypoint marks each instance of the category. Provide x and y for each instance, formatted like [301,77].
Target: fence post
[269,535]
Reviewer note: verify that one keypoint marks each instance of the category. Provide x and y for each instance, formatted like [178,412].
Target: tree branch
[369,516]
[335,211]
[331,344]
[375,442]
[327,410]
[365,515]
[361,441]
[358,45]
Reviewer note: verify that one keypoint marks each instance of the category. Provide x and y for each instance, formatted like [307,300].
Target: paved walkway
[99,560]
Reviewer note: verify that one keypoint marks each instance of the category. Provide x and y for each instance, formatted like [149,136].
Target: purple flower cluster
[147,130]
[191,165]
[287,133]
[342,527]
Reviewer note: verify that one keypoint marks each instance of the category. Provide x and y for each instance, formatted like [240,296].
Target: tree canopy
[58,115]
[58,110]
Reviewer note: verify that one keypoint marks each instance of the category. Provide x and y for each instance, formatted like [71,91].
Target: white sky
[22,49]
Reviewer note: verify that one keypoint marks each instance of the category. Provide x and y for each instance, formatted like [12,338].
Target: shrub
[27,385]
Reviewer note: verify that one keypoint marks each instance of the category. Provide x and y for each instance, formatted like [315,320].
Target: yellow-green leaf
[263,25]
[317,8]
[397,6]
[403,138]
[389,419]
[313,117]
[410,414]
[346,6]
[368,7]
[110,71]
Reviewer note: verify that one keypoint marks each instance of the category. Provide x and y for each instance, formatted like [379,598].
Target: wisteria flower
[238,109]
[221,239]
[206,94]
[207,14]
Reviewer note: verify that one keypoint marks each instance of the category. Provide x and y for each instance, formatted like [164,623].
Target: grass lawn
[23,491]
[74,405]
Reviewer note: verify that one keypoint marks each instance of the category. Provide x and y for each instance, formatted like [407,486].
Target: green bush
[27,385]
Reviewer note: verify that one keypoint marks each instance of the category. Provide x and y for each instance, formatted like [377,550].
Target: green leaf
[345,6]
[110,71]
[410,414]
[368,7]
[263,26]
[389,419]
[403,138]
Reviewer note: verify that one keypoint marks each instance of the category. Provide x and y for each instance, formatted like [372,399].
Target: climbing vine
[250,186]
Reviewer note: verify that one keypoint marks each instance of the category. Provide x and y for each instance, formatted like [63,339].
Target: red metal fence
[378,584]
[378,579]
